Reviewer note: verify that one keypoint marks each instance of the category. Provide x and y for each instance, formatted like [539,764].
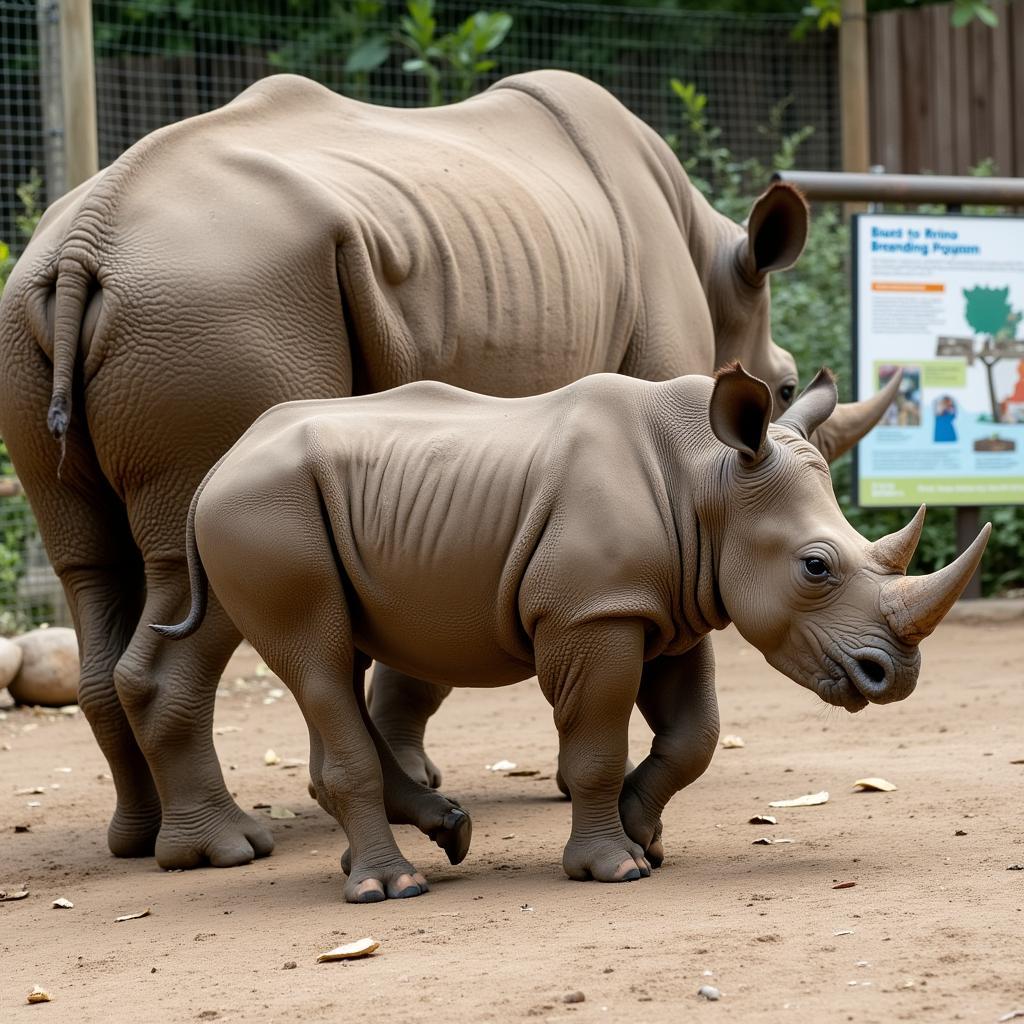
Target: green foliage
[456,59]
[811,318]
[28,193]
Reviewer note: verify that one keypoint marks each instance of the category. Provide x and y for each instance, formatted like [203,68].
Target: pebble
[289,965]
[574,997]
[710,993]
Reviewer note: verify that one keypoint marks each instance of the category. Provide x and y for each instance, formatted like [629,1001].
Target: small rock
[574,997]
[1012,867]
[63,904]
[732,742]
[289,965]
[49,668]
[959,832]
[763,819]
[710,993]
[271,758]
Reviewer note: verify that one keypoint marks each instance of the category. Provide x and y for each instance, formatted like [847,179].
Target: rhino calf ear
[776,231]
[740,411]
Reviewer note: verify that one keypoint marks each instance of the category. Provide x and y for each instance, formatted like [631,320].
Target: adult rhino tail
[197,578]
[73,287]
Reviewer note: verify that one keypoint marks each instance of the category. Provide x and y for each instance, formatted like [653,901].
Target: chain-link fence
[159,62]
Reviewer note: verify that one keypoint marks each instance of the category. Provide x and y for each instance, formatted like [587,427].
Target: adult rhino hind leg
[85,531]
[167,688]
[401,706]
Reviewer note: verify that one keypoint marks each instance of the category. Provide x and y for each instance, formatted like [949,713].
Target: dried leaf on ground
[809,800]
[10,897]
[350,951]
[844,885]
[1012,1015]
[763,819]
[22,828]
[768,841]
[29,791]
[732,742]
[133,917]
[270,758]
[39,995]
[279,811]
[523,773]
[63,904]
[880,785]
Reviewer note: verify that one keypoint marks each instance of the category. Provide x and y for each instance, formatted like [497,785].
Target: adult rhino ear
[813,406]
[776,231]
[740,411]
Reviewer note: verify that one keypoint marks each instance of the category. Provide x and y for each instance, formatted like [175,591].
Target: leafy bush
[811,318]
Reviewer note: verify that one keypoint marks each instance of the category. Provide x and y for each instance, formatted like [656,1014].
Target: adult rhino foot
[133,831]
[642,825]
[397,880]
[616,859]
[223,837]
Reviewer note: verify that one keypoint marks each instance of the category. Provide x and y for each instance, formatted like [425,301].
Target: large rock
[49,668]
[10,661]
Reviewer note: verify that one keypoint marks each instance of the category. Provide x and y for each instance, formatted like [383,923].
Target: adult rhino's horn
[915,605]
[852,420]
[895,550]
[813,406]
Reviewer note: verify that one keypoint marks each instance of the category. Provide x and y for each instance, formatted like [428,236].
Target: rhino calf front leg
[591,675]
[677,698]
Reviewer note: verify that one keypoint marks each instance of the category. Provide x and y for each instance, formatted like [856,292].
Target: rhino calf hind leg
[301,628]
[400,707]
[591,676]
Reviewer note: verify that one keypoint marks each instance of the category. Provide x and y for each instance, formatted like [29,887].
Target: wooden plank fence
[942,98]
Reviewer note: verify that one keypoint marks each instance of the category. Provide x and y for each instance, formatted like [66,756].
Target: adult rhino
[593,536]
[297,244]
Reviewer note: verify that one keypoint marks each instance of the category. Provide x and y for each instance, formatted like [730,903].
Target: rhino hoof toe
[454,835]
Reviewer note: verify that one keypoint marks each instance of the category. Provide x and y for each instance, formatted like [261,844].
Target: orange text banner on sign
[906,286]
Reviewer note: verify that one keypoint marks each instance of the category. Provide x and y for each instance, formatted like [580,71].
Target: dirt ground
[932,930]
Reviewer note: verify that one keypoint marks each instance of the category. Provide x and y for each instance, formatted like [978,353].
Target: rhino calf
[592,536]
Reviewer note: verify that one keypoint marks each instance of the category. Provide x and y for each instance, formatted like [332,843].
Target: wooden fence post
[78,80]
[853,90]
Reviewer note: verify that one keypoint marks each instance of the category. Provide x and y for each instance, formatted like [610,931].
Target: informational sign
[942,298]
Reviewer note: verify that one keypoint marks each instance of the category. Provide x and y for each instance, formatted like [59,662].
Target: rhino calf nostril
[871,669]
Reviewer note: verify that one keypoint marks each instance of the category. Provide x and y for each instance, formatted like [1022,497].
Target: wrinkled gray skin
[297,244]
[592,536]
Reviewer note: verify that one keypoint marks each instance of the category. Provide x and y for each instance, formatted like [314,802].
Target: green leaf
[414,65]
[5,251]
[484,65]
[962,14]
[368,55]
[986,15]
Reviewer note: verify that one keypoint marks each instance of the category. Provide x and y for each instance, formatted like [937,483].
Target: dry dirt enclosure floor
[932,930]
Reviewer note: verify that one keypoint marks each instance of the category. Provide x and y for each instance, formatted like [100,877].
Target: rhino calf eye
[816,567]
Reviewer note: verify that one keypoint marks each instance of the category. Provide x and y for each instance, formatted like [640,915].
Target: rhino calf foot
[453,834]
[605,860]
[133,831]
[224,840]
[641,824]
[394,881]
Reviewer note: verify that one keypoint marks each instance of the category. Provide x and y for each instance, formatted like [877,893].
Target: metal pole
[79,91]
[52,100]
